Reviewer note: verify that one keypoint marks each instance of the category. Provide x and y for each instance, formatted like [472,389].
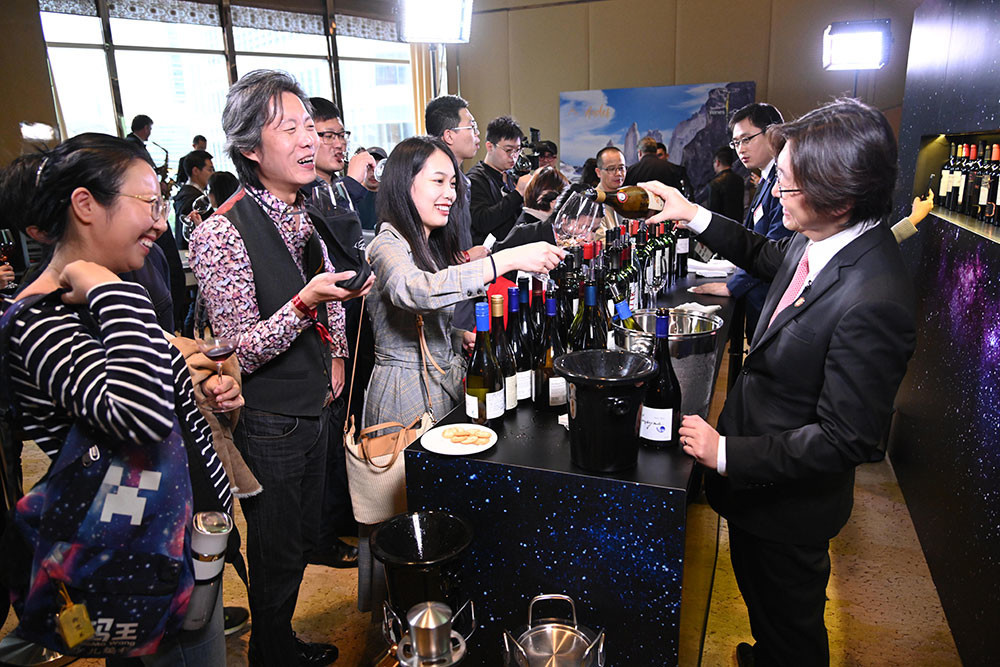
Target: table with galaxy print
[614,542]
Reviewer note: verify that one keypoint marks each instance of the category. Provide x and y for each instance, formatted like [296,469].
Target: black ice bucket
[606,391]
[422,554]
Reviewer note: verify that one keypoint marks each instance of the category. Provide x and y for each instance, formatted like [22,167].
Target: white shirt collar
[821,252]
[766,171]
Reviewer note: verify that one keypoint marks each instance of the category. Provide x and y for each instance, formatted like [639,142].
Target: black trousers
[784,587]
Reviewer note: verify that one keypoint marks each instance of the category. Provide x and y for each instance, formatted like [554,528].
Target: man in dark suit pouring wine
[817,387]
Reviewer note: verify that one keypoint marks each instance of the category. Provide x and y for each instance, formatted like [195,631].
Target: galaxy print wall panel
[945,445]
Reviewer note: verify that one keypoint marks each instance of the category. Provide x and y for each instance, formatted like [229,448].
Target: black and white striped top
[128,383]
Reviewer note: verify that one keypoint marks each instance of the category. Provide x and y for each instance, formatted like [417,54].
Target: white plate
[434,441]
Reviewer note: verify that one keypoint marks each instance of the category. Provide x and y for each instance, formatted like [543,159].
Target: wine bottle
[484,391]
[683,241]
[958,179]
[988,213]
[537,308]
[505,356]
[548,389]
[986,177]
[523,359]
[623,314]
[524,311]
[660,416]
[971,200]
[590,333]
[631,201]
[945,186]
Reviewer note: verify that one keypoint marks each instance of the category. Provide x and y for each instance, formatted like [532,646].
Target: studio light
[856,45]
[435,21]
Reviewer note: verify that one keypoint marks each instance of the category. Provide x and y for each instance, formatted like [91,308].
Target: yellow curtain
[422,63]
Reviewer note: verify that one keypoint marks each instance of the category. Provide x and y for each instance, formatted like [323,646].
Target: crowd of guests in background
[279,261]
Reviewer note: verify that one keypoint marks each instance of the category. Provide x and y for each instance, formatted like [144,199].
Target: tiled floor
[883,608]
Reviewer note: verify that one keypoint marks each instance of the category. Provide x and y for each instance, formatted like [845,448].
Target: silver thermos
[208,552]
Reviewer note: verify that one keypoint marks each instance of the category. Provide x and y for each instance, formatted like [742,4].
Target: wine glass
[656,276]
[216,347]
[201,206]
[8,244]
[576,221]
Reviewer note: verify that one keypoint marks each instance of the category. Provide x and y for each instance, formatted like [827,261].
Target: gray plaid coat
[402,291]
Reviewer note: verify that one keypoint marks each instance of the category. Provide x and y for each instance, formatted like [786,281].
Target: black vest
[297,381]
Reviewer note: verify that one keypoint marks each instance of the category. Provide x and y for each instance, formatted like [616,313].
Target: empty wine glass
[576,220]
[201,206]
[656,276]
[216,347]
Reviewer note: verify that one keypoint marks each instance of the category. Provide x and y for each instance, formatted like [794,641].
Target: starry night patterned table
[614,542]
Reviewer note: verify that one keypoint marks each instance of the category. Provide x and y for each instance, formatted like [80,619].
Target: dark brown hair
[843,158]
[546,180]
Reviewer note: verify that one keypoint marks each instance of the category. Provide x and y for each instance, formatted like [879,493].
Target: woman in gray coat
[420,270]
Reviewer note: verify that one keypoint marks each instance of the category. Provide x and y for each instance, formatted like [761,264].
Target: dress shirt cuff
[720,463]
[699,223]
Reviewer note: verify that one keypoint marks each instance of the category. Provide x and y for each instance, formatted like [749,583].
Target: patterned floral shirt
[221,263]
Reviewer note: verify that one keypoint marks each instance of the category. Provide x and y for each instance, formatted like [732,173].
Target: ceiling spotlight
[435,21]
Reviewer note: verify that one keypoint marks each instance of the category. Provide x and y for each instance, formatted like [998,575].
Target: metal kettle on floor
[429,639]
[553,642]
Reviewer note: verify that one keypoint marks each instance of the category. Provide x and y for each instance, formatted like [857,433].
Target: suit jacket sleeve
[864,365]
[487,216]
[771,226]
[753,252]
[527,233]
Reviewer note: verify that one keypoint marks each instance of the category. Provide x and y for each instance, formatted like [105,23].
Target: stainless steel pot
[551,642]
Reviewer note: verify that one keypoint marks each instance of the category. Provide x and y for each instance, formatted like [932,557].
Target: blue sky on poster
[588,119]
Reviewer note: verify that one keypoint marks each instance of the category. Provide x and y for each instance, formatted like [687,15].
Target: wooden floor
[883,608]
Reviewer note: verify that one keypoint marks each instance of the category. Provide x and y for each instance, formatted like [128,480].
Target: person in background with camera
[340,227]
[421,269]
[497,197]
[548,154]
[97,201]
[266,277]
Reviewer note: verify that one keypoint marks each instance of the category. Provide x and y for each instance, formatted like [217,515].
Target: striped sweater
[129,382]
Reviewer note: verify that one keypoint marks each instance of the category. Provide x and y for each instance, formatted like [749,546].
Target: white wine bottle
[503,352]
[484,392]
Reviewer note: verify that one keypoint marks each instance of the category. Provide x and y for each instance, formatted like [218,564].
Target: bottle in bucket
[661,411]
[484,390]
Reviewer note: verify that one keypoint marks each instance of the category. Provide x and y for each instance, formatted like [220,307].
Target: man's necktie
[794,287]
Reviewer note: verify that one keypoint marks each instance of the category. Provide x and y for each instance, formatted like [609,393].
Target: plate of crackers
[459,439]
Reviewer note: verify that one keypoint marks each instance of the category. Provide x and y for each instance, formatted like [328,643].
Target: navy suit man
[816,391]
[748,126]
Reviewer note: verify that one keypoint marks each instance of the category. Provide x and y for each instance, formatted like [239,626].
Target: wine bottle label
[471,406]
[495,404]
[656,424]
[945,183]
[961,189]
[510,392]
[524,385]
[612,346]
[683,244]
[557,391]
[984,191]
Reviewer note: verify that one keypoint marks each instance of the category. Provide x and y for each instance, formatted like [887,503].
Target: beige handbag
[376,475]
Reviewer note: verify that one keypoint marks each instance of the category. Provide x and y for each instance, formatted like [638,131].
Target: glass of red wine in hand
[8,246]
[217,347]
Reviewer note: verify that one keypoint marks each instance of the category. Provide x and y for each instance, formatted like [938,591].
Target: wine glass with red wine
[8,246]
[216,347]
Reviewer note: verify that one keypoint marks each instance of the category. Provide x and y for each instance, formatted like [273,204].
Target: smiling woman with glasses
[90,364]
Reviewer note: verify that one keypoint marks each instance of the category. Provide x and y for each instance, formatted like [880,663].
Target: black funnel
[606,391]
[422,554]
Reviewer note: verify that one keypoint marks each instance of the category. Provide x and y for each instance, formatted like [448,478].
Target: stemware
[8,244]
[201,206]
[216,347]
